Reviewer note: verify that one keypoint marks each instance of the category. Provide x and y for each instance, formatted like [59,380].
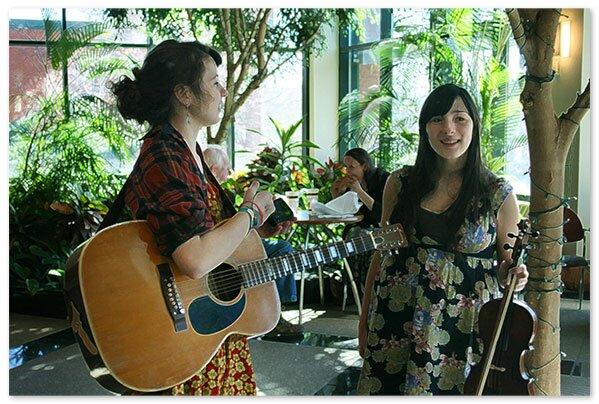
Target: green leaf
[56,272]
[21,271]
[33,286]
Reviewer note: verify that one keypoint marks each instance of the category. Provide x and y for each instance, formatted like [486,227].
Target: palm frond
[63,44]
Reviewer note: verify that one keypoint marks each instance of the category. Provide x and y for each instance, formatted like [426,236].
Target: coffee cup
[311,196]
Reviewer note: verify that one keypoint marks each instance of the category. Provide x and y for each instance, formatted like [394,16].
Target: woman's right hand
[263,200]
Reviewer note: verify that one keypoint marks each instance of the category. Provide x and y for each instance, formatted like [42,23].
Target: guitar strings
[252,269]
[228,280]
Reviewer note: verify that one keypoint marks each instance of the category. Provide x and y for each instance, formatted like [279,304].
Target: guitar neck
[258,272]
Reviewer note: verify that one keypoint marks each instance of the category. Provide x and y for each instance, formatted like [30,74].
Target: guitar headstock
[389,238]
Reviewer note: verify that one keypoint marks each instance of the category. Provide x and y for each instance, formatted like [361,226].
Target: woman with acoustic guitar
[418,330]
[177,92]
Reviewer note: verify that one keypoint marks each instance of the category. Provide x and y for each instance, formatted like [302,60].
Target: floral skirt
[229,373]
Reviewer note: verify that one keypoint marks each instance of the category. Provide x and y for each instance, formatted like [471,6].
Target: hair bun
[129,99]
[136,72]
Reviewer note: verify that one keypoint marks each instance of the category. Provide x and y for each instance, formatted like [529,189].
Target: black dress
[372,217]
[376,185]
[423,320]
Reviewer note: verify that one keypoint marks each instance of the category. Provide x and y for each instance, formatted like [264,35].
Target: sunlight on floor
[307,315]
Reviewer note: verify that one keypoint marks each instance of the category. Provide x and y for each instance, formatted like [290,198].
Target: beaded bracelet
[249,211]
[259,214]
[256,215]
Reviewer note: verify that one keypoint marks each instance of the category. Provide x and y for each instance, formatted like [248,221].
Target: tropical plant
[257,42]
[462,46]
[280,167]
[43,237]
[62,154]
[60,179]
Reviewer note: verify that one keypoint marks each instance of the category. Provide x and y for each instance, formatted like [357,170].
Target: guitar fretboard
[258,272]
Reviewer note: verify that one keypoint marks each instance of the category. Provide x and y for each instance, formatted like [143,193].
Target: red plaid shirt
[169,191]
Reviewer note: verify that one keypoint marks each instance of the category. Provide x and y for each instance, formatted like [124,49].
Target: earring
[187,119]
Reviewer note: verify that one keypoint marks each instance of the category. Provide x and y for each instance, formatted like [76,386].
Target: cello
[507,328]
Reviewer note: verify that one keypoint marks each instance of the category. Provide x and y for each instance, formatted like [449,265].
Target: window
[34,80]
[31,75]
[279,98]
[421,49]
[361,70]
[358,70]
[518,160]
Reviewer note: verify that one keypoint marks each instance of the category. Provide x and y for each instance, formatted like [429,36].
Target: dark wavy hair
[148,98]
[423,176]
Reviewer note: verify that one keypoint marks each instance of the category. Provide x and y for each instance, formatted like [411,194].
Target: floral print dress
[230,371]
[422,328]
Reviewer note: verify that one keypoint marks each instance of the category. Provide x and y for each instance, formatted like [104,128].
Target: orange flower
[297,176]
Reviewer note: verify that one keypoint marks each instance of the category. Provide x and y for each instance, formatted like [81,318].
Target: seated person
[365,180]
[217,160]
[368,182]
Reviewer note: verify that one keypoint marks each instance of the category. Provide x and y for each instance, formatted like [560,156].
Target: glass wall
[32,76]
[358,69]
[392,67]
[279,98]
[43,71]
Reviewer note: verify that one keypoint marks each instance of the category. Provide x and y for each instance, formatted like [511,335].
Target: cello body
[507,375]
[507,328]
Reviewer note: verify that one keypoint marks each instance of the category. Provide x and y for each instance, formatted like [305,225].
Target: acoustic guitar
[144,326]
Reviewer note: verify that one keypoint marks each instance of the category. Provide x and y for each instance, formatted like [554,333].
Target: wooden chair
[575,232]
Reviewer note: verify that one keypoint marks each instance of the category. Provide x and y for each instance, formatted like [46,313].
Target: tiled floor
[44,360]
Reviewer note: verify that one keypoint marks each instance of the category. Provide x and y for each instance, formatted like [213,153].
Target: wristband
[258,215]
[250,212]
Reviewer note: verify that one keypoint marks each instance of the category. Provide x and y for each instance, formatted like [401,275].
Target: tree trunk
[547,170]
[549,140]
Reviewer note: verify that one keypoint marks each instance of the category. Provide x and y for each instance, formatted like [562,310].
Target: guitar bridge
[171,297]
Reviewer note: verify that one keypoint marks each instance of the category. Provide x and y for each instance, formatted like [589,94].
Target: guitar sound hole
[225,282]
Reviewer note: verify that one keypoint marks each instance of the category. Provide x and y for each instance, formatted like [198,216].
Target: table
[305,219]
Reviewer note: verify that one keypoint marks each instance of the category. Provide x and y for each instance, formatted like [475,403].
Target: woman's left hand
[268,231]
[520,271]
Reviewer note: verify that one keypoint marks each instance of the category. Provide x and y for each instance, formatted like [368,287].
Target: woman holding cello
[418,333]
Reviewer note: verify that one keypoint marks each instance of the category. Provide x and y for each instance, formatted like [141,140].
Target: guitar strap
[117,207]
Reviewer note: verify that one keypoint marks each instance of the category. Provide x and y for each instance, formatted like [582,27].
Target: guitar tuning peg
[511,235]
[535,233]
[506,246]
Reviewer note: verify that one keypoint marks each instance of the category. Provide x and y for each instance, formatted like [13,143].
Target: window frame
[348,77]
[230,141]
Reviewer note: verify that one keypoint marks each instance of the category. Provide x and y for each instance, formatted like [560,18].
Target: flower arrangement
[323,177]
